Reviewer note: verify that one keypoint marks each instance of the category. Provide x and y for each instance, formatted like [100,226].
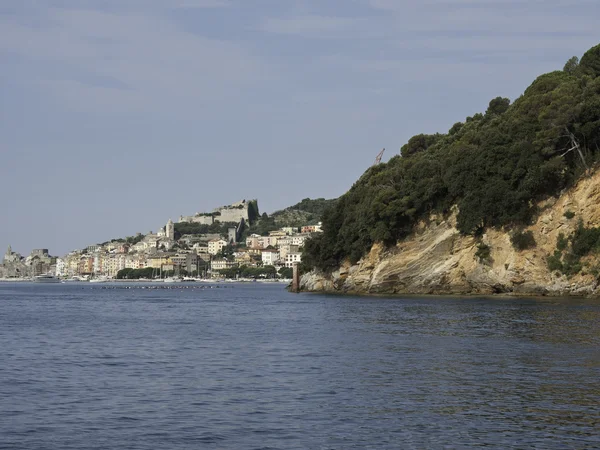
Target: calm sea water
[250,366]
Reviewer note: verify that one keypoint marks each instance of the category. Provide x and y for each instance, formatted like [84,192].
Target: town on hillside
[232,241]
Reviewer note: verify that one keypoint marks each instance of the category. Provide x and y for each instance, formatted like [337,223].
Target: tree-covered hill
[307,212]
[494,166]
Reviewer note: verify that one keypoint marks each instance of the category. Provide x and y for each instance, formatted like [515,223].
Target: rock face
[437,259]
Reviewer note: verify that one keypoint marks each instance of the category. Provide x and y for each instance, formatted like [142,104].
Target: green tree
[498,106]
[590,61]
[495,167]
[571,65]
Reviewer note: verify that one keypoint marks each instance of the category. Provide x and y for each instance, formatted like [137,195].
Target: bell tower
[170,229]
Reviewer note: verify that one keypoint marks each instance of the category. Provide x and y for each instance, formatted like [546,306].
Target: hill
[491,171]
[307,212]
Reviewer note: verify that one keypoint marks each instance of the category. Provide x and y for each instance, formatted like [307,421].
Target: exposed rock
[437,259]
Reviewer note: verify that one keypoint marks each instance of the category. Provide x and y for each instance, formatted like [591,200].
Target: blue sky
[116,115]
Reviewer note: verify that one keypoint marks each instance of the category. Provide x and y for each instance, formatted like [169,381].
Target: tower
[170,229]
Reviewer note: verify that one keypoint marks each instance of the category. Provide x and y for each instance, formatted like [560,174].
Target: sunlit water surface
[250,366]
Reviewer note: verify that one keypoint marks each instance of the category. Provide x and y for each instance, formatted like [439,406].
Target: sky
[116,115]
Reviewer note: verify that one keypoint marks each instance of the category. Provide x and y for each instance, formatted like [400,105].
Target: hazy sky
[116,115]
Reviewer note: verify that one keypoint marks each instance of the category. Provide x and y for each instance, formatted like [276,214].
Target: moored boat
[46,278]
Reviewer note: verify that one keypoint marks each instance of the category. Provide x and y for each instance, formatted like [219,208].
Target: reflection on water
[256,367]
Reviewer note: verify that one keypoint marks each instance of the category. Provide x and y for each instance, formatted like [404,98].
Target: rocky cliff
[437,259]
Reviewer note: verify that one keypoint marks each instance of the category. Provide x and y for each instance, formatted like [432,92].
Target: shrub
[569,214]
[554,262]
[585,240]
[483,251]
[561,242]
[522,240]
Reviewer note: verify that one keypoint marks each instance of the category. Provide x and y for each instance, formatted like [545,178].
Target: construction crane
[378,158]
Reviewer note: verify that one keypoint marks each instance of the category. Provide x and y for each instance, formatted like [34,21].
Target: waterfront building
[220,264]
[185,261]
[61,267]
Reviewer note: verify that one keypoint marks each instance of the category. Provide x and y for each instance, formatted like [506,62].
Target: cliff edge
[437,259]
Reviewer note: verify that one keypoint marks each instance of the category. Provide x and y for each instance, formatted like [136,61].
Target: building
[299,239]
[232,235]
[170,230]
[85,265]
[135,262]
[61,267]
[220,264]
[114,263]
[201,248]
[278,233]
[311,228]
[41,252]
[200,218]
[292,258]
[160,260]
[270,257]
[186,261]
[236,212]
[243,258]
[13,265]
[216,245]
[288,248]
[252,241]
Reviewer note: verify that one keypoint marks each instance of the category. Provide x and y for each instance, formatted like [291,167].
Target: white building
[292,258]
[289,230]
[299,239]
[170,229]
[269,257]
[216,245]
[61,267]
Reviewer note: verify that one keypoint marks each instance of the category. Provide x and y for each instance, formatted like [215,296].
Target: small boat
[171,280]
[46,278]
[101,279]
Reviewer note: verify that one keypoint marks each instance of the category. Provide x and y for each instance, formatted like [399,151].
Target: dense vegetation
[183,228]
[256,272]
[307,212]
[567,258]
[493,166]
[522,240]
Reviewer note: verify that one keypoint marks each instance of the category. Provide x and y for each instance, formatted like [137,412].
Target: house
[216,245]
[269,257]
[219,264]
[288,248]
[292,258]
[252,241]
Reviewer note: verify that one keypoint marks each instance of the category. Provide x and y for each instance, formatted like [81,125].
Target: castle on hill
[236,212]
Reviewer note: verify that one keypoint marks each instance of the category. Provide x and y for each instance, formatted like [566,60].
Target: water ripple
[254,367]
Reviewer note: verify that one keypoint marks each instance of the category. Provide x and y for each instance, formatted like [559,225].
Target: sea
[251,366]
